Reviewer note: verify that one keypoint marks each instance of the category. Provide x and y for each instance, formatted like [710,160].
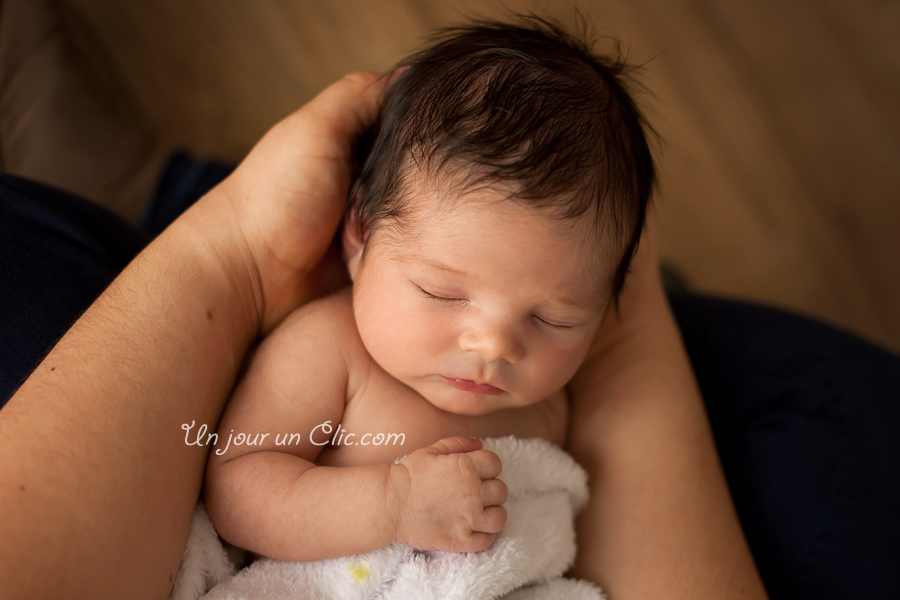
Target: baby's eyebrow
[573,304]
[436,264]
[576,304]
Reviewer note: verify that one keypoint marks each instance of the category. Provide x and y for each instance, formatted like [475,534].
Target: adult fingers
[346,108]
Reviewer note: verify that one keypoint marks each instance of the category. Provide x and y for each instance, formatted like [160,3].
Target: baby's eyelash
[453,300]
[439,298]
[562,327]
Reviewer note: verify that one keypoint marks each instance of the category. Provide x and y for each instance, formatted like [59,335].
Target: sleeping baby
[487,235]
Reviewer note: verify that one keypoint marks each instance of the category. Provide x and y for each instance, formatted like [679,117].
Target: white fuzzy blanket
[525,562]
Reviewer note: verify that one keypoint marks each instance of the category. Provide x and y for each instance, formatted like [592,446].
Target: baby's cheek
[397,340]
[553,369]
[421,339]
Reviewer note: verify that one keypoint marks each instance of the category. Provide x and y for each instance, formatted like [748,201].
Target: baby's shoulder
[333,310]
[334,320]
[327,320]
[321,335]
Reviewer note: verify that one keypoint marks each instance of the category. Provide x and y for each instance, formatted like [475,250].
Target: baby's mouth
[470,386]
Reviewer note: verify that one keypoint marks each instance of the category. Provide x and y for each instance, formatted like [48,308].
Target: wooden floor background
[779,120]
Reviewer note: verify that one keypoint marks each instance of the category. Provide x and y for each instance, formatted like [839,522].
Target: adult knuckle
[359,77]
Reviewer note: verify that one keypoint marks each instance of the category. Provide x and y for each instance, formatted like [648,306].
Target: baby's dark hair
[523,105]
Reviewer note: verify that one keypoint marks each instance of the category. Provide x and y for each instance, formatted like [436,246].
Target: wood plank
[779,130]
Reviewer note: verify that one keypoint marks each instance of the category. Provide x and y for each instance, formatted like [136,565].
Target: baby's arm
[272,499]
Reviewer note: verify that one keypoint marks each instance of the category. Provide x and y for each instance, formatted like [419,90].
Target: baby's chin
[471,404]
[466,409]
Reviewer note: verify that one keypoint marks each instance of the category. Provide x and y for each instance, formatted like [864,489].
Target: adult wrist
[211,230]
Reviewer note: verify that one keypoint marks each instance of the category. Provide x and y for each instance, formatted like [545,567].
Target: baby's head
[495,216]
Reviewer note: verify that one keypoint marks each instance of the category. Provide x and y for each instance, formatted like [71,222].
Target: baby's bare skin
[314,369]
[378,403]
[467,323]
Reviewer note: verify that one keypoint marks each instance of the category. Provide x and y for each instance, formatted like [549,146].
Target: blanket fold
[547,488]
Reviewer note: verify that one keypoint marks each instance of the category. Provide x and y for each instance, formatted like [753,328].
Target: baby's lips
[470,386]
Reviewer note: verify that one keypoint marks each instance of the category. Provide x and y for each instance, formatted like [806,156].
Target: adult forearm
[99,486]
[284,507]
[660,523]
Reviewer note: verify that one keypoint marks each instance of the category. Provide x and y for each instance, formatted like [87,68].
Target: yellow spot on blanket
[360,571]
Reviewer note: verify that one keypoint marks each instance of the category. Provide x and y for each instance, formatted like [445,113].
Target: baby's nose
[493,344]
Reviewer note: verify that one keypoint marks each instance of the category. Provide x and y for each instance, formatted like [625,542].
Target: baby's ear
[354,243]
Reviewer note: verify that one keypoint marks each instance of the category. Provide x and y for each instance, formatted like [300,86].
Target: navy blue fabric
[183,181]
[57,254]
[805,416]
[806,420]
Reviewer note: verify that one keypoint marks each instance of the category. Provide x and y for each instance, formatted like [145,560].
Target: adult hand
[642,300]
[285,200]
[660,522]
[97,482]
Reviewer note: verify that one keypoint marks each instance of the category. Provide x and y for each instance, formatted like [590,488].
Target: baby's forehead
[485,236]
[589,292]
[446,202]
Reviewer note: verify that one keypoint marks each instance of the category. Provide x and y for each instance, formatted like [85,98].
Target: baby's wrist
[396,495]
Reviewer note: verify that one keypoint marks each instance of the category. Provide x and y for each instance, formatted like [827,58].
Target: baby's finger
[491,520]
[493,492]
[487,464]
[455,445]
[478,542]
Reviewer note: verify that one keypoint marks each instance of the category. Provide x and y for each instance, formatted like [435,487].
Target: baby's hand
[445,497]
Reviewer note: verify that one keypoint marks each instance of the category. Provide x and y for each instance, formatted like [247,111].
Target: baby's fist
[445,497]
